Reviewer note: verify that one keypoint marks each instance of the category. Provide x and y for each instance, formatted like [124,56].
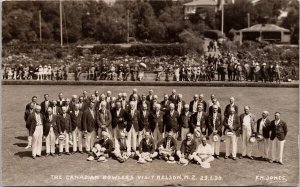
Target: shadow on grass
[22,138]
[20,144]
[23,154]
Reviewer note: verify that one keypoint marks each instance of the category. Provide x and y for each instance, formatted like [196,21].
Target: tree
[292,21]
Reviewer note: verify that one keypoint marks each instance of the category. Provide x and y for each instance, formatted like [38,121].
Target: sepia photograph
[150,93]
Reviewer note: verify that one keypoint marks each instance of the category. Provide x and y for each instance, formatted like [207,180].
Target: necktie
[198,117]
[54,110]
[230,120]
[168,144]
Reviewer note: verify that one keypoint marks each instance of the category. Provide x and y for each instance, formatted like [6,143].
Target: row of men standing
[142,115]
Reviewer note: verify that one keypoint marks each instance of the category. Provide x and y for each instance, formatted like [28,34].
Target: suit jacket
[43,106]
[125,105]
[210,110]
[104,119]
[236,126]
[60,103]
[65,124]
[118,120]
[108,145]
[147,147]
[89,123]
[266,129]
[185,120]
[157,121]
[84,106]
[163,142]
[192,104]
[133,120]
[278,131]
[55,122]
[252,122]
[171,122]
[140,105]
[152,105]
[144,122]
[227,108]
[165,105]
[182,106]
[31,122]
[148,98]
[203,121]
[172,99]
[218,124]
[26,116]
[131,98]
[76,120]
[188,149]
[72,106]
[58,110]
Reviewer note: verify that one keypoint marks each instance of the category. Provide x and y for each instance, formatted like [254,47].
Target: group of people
[144,128]
[32,72]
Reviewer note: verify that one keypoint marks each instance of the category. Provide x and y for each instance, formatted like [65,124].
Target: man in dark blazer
[143,102]
[214,129]
[144,123]
[173,97]
[165,104]
[33,100]
[211,110]
[278,133]
[73,103]
[76,119]
[118,118]
[45,104]
[36,122]
[232,130]
[263,130]
[149,97]
[89,126]
[187,149]
[153,103]
[60,101]
[124,102]
[184,122]
[194,103]
[157,123]
[104,120]
[231,104]
[179,104]
[171,119]
[167,147]
[201,100]
[198,123]
[146,150]
[65,129]
[133,118]
[27,113]
[56,110]
[82,104]
[131,97]
[50,131]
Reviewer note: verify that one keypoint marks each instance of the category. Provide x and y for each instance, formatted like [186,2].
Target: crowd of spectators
[225,67]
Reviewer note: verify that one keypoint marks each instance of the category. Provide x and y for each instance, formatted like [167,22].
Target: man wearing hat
[248,124]
[103,119]
[263,136]
[76,119]
[204,152]
[198,122]
[89,126]
[64,129]
[50,131]
[167,147]
[184,122]
[157,123]
[122,149]
[214,130]
[132,128]
[187,149]
[278,134]
[232,130]
[146,150]
[36,122]
[102,148]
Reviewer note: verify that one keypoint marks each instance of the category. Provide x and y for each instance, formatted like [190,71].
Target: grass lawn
[20,169]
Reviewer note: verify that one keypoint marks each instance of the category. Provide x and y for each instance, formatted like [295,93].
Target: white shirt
[246,121]
[195,106]
[261,125]
[76,112]
[199,116]
[118,112]
[179,107]
[277,122]
[38,119]
[204,150]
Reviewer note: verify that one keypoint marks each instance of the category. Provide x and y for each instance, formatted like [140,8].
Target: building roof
[264,27]
[202,3]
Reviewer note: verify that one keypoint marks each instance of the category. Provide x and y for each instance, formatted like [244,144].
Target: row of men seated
[135,123]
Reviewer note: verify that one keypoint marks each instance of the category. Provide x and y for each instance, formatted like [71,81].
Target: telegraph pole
[248,19]
[127,26]
[61,27]
[40,24]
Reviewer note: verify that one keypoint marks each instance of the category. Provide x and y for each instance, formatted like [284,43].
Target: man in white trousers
[232,132]
[263,136]
[278,133]
[133,117]
[36,121]
[65,129]
[248,124]
[76,118]
[50,131]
